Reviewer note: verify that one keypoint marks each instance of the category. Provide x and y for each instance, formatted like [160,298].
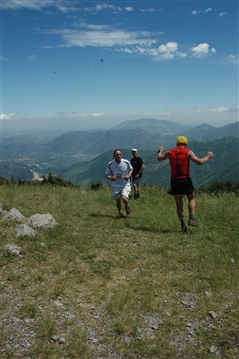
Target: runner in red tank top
[181,183]
[179,162]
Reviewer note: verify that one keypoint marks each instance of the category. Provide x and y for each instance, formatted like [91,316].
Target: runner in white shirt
[119,171]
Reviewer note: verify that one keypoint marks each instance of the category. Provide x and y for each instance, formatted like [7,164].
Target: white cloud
[102,6]
[168,51]
[219,109]
[200,50]
[233,59]
[62,5]
[76,114]
[169,47]
[147,10]
[222,13]
[122,40]
[104,37]
[7,116]
[182,54]
[32,57]
[73,114]
[2,58]
[213,50]
[127,50]
[234,108]
[163,113]
[93,114]
[129,8]
[195,12]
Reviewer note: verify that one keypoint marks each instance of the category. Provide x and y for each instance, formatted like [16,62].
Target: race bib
[119,175]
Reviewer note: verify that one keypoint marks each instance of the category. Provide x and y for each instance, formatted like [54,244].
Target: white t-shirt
[120,170]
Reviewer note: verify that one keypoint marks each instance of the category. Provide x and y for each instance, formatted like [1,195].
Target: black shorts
[181,186]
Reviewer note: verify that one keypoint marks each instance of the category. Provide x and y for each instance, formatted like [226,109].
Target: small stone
[13,248]
[154,327]
[212,314]
[58,304]
[208,294]
[55,338]
[212,349]
[187,303]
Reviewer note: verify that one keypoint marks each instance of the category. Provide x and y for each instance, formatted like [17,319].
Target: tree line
[215,187]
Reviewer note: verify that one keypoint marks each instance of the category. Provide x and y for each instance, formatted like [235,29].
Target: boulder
[43,221]
[14,215]
[25,230]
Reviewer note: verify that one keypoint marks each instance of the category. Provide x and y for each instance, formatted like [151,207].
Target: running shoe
[184,228]
[119,215]
[193,223]
[127,208]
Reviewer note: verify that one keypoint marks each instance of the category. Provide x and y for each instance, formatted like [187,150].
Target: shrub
[228,186]
[96,186]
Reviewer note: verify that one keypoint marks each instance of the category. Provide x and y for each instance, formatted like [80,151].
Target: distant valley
[82,156]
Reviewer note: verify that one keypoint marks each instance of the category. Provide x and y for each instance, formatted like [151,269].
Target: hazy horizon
[71,126]
[90,64]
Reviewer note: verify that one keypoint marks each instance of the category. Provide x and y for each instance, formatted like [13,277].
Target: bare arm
[111,178]
[128,175]
[197,160]
[140,171]
[162,156]
[142,168]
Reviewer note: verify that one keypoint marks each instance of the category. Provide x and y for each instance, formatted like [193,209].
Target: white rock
[25,230]
[43,221]
[212,349]
[12,247]
[14,215]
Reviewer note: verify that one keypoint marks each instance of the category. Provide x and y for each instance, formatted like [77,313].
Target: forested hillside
[224,165]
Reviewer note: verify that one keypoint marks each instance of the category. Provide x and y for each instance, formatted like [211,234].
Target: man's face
[118,156]
[134,153]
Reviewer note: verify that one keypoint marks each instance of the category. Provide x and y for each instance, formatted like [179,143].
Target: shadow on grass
[155,230]
[99,215]
[166,230]
[143,228]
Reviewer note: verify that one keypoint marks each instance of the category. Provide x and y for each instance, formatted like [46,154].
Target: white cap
[134,150]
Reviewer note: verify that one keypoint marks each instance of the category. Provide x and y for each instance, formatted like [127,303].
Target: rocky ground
[19,332]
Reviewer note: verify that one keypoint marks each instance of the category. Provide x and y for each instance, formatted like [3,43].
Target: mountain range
[223,166]
[82,156]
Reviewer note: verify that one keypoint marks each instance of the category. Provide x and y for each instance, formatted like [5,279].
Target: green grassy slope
[134,287]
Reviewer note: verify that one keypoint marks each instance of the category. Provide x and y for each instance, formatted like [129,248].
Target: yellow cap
[182,140]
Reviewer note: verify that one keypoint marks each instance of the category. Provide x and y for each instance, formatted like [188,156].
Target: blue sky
[90,64]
